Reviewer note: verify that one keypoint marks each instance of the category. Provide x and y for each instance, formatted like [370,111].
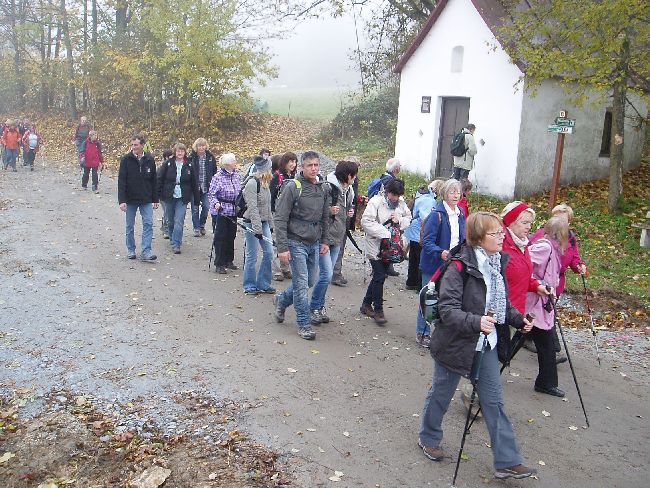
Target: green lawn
[320,104]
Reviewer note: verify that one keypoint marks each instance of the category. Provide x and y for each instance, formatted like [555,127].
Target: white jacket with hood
[377,212]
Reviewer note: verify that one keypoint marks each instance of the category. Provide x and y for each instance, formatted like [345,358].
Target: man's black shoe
[390,271]
[560,360]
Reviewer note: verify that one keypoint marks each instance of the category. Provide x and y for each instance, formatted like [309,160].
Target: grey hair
[392,164]
[449,185]
[227,158]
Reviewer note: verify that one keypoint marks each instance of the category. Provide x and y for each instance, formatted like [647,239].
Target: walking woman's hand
[123,207]
[487,324]
[528,325]
[285,257]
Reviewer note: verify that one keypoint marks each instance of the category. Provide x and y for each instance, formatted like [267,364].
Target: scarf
[390,204]
[497,287]
[520,243]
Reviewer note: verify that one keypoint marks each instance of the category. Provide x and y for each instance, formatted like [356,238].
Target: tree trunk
[43,70]
[72,95]
[84,96]
[17,45]
[618,129]
[94,27]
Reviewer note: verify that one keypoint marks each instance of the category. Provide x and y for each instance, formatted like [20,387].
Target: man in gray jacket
[465,163]
[302,214]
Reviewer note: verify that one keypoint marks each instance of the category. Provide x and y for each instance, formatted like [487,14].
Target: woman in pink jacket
[93,159]
[546,254]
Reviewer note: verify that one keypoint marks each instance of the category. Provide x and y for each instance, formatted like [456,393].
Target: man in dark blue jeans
[302,214]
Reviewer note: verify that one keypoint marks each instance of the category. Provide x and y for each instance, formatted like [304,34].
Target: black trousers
[375,292]
[414,277]
[84,178]
[224,240]
[543,339]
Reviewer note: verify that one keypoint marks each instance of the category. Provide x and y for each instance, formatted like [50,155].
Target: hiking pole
[248,229]
[568,356]
[474,375]
[591,318]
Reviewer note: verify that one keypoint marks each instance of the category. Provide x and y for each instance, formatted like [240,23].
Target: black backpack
[240,202]
[458,144]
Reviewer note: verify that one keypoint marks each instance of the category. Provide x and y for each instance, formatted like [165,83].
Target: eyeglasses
[454,192]
[498,233]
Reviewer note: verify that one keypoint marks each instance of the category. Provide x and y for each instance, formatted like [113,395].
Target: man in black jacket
[136,189]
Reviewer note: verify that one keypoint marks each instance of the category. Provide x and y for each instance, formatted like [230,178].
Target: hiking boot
[307,333]
[324,318]
[149,258]
[232,265]
[130,255]
[269,291]
[518,472]
[465,401]
[252,292]
[287,274]
[221,270]
[197,233]
[165,235]
[176,250]
[366,309]
[433,453]
[278,277]
[315,317]
[202,231]
[423,339]
[279,309]
[379,317]
[339,281]
[560,360]
[554,391]
[390,271]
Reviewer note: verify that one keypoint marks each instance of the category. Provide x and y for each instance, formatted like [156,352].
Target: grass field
[320,104]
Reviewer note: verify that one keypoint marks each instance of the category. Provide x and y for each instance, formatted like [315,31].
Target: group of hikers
[489,271]
[16,137]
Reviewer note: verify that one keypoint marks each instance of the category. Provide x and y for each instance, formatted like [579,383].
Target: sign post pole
[557,166]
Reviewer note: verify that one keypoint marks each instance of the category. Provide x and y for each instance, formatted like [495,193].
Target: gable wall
[488,79]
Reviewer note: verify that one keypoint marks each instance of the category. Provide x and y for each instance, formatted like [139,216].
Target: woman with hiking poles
[472,300]
[442,230]
[224,189]
[545,254]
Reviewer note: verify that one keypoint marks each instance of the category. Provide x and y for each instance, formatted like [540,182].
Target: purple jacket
[570,259]
[545,256]
[224,188]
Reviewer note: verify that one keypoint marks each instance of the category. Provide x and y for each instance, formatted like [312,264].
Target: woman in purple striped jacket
[224,189]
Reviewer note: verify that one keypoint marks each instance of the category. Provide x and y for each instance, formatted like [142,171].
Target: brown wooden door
[454,116]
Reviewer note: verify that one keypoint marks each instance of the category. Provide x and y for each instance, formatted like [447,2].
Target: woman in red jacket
[93,159]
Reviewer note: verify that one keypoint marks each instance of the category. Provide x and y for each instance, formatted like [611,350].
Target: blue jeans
[505,452]
[199,222]
[304,270]
[10,157]
[175,217]
[146,214]
[326,264]
[422,328]
[260,280]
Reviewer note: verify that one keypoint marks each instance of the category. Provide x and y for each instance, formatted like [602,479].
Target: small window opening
[457,59]
[607,135]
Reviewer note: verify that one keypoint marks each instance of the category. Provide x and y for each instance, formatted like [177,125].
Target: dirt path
[77,316]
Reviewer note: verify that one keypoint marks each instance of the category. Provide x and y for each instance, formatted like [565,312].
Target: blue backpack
[375,185]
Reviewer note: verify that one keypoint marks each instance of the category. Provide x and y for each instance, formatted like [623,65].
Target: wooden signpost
[561,127]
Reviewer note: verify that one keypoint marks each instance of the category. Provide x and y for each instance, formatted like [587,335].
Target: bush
[373,115]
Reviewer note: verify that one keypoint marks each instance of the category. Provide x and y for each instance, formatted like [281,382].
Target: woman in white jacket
[382,208]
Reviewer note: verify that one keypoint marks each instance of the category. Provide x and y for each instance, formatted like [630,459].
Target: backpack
[429,296]
[375,185]
[458,144]
[32,140]
[298,185]
[240,202]
[391,249]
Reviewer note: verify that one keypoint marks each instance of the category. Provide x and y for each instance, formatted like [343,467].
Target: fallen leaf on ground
[545,413]
[346,434]
[572,427]
[291,370]
[6,457]
[542,463]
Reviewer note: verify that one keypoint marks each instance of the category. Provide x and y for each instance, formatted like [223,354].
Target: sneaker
[149,258]
[221,270]
[95,191]
[307,333]
[433,453]
[380,319]
[279,309]
[165,235]
[131,255]
[315,317]
[278,277]
[202,231]
[197,233]
[339,281]
[391,271]
[423,339]
[518,472]
[287,274]
[252,292]
[367,310]
[323,315]
[232,265]
[560,360]
[176,250]
[269,291]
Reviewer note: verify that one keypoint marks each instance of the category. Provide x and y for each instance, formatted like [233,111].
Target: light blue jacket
[422,206]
